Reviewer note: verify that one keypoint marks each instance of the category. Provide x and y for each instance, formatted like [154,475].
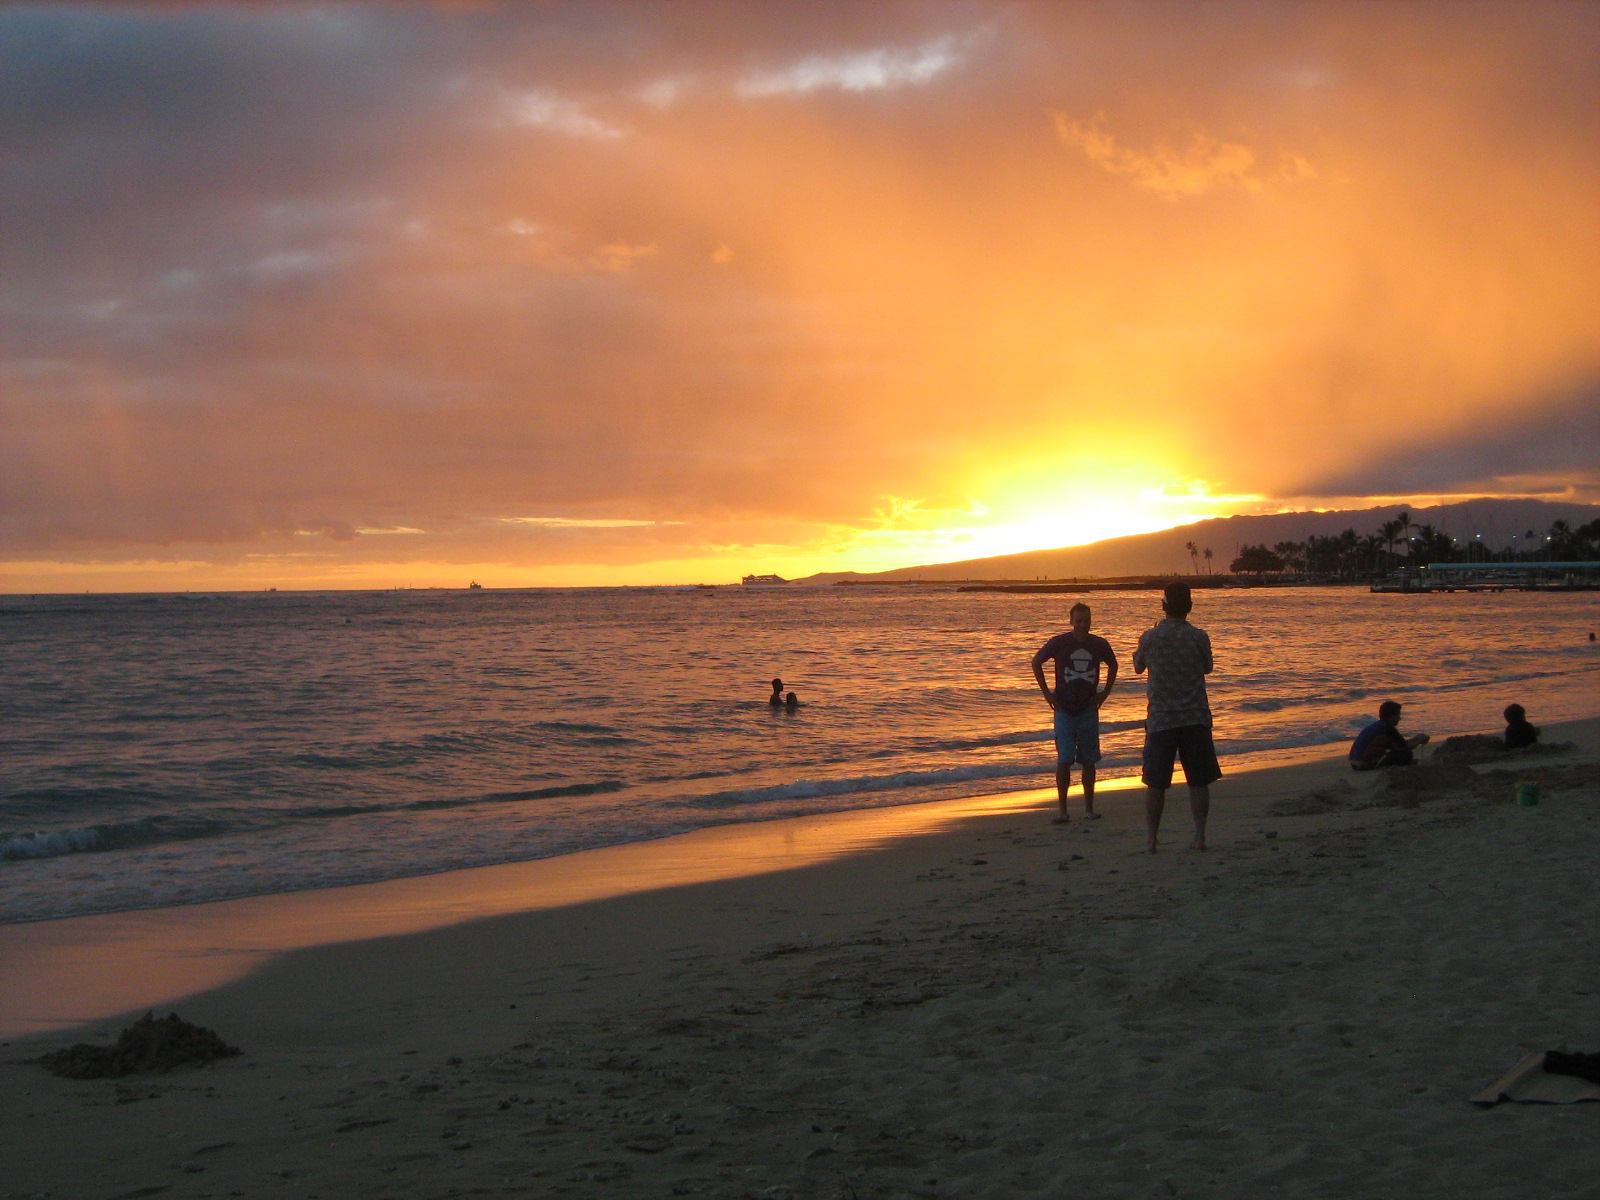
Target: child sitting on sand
[1519,734]
[1381,744]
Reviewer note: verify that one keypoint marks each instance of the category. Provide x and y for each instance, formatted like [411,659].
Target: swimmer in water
[776,699]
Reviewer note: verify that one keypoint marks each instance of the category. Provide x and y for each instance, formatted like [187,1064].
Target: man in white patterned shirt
[1178,716]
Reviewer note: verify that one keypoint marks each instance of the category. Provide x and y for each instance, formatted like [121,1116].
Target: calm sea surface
[170,749]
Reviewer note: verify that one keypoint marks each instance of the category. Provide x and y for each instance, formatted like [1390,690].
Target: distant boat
[475,586]
[764,580]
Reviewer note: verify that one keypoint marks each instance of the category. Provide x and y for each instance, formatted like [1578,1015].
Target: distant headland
[1324,547]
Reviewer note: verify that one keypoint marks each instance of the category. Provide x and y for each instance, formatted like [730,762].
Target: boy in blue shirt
[1381,744]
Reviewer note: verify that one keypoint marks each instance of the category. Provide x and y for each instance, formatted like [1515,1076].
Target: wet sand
[966,1003]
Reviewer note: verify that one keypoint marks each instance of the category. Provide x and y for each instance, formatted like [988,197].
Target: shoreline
[989,1006]
[166,953]
[1112,778]
[162,954]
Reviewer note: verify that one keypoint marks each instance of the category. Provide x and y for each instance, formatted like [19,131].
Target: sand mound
[1402,787]
[1467,748]
[1471,747]
[150,1046]
[1432,779]
[1338,795]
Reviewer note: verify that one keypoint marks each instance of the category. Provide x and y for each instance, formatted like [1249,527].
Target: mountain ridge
[1163,552]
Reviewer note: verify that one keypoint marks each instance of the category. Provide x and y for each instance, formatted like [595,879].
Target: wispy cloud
[582,522]
[544,109]
[874,70]
[665,91]
[1196,164]
[557,250]
[281,266]
[618,257]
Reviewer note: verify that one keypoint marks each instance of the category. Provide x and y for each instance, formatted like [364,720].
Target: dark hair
[1515,712]
[1177,599]
[1389,708]
[1073,611]
[777,685]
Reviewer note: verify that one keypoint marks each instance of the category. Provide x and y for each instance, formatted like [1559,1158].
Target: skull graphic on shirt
[1080,665]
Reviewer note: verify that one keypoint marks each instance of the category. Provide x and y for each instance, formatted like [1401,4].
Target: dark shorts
[1078,737]
[1400,756]
[1190,743]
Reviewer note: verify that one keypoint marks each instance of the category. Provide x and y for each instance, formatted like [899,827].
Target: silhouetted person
[1381,744]
[1076,701]
[791,701]
[1519,734]
[776,699]
[1178,718]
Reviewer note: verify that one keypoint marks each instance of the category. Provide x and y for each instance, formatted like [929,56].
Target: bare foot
[1151,847]
[1063,819]
[1092,815]
[1197,844]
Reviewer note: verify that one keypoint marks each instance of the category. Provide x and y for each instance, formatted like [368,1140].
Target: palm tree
[1422,544]
[1194,555]
[1406,526]
[1371,546]
[1207,553]
[1349,552]
[1432,545]
[1391,532]
[1560,540]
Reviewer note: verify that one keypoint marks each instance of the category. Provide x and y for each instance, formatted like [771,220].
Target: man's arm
[1206,638]
[1039,660]
[1111,679]
[1138,657]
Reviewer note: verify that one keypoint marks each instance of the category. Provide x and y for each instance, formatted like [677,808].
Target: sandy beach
[969,1002]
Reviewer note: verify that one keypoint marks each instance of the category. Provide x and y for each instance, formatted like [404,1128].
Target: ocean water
[179,748]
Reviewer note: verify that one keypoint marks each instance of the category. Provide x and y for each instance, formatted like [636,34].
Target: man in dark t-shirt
[1077,698]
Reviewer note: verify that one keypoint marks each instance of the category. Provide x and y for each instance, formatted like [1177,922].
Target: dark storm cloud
[1550,445]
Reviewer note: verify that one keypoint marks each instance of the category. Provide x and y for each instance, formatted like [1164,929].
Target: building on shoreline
[1494,577]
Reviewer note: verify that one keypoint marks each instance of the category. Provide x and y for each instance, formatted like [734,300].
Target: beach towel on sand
[1552,1078]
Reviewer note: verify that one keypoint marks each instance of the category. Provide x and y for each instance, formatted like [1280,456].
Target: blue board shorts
[1190,743]
[1078,737]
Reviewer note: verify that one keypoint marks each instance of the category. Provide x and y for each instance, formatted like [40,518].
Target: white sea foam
[48,845]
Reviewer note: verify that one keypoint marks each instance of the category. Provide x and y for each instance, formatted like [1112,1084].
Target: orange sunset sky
[364,295]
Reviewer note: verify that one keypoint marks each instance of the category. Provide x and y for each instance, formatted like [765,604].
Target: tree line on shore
[1349,554]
